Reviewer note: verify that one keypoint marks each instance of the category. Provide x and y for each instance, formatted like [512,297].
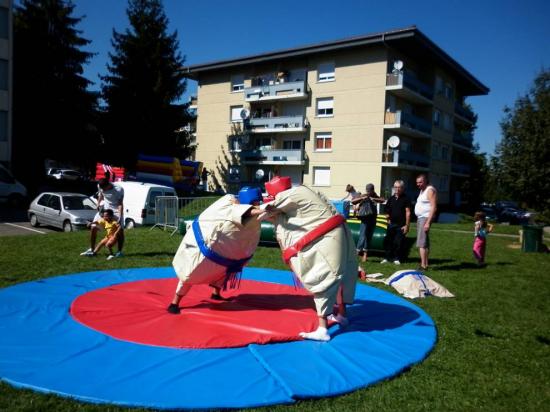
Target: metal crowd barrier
[171,210]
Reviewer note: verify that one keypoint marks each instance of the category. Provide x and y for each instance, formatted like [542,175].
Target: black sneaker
[173,309]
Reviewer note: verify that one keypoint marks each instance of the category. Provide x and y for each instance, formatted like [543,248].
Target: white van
[11,191]
[139,201]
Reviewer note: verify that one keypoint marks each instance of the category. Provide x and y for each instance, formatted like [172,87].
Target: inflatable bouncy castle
[168,171]
[114,174]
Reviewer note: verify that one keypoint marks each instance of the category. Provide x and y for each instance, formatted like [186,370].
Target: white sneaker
[384,261]
[396,262]
[110,257]
[320,334]
[88,252]
[119,254]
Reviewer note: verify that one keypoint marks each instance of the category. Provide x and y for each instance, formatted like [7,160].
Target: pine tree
[522,159]
[142,86]
[52,111]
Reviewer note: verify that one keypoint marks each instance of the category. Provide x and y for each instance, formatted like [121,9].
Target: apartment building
[6,47]
[367,109]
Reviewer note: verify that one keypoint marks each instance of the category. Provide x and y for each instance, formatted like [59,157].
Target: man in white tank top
[425,208]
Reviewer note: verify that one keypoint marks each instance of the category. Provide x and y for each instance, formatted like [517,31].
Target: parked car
[139,201]
[11,191]
[67,211]
[64,174]
[489,211]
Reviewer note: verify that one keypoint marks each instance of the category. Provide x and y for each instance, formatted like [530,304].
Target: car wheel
[67,226]
[129,224]
[34,221]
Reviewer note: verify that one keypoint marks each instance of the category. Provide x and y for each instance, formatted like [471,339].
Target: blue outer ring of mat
[43,348]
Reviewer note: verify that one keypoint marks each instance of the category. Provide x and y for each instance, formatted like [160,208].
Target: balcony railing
[279,124]
[463,138]
[273,156]
[410,82]
[408,120]
[460,168]
[395,157]
[464,112]
[289,91]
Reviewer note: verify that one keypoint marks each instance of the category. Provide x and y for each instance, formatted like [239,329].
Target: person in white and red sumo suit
[317,245]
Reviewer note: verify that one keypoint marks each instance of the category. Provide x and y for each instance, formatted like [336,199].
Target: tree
[521,162]
[52,108]
[143,83]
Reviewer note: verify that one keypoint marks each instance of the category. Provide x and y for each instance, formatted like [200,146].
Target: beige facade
[6,47]
[323,115]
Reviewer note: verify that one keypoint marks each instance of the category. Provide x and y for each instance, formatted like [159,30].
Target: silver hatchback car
[67,211]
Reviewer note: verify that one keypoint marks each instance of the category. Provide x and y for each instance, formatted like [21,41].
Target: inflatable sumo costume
[317,245]
[221,241]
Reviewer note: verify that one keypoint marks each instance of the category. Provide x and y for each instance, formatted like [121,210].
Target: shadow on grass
[151,254]
[469,265]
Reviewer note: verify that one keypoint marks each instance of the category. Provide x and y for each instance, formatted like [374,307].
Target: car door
[40,208]
[153,194]
[53,211]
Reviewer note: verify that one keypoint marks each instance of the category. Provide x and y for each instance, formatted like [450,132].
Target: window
[55,203]
[43,201]
[236,114]
[153,197]
[234,173]
[4,23]
[3,126]
[5,177]
[436,150]
[325,107]
[325,72]
[448,91]
[323,142]
[437,118]
[438,85]
[321,176]
[445,152]
[237,83]
[3,74]
[292,144]
[235,144]
[447,122]
[263,142]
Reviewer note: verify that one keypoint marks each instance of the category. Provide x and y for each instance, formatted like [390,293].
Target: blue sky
[503,43]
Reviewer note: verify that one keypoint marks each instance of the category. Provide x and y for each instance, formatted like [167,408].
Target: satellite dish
[393,142]
[245,113]
[260,174]
[398,64]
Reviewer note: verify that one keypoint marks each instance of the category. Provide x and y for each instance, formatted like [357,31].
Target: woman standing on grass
[481,229]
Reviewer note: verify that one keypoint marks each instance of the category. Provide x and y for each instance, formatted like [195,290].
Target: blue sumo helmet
[249,195]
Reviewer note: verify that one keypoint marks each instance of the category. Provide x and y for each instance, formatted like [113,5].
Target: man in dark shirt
[398,212]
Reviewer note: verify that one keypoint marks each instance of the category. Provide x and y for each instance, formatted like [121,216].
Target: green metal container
[532,238]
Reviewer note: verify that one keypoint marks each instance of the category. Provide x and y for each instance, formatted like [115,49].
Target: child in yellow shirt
[112,227]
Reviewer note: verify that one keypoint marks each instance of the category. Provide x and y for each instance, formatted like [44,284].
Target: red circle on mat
[256,312]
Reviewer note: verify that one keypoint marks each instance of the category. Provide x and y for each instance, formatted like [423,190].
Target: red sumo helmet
[277,185]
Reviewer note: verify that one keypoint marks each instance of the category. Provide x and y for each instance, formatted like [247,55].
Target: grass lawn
[493,349]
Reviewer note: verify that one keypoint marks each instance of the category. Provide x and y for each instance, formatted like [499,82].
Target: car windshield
[78,203]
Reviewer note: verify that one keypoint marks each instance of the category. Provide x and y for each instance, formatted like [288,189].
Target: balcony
[266,156]
[410,88]
[463,139]
[281,124]
[407,123]
[404,159]
[460,169]
[464,113]
[277,91]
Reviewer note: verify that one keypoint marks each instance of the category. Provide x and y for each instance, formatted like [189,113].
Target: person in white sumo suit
[218,244]
[318,246]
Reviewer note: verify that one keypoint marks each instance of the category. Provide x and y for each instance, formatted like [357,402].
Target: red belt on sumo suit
[325,227]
